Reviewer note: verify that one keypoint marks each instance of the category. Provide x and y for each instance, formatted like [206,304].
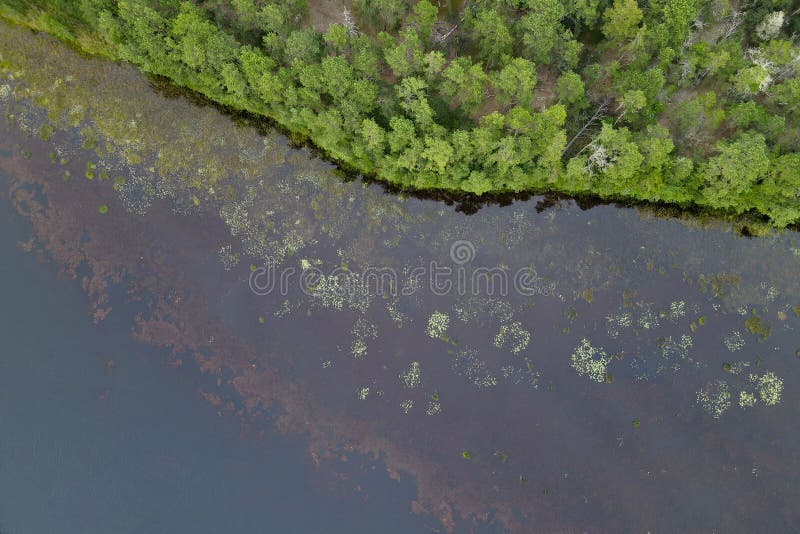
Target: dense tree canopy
[682,101]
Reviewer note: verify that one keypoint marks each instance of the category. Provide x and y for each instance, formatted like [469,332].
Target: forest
[693,103]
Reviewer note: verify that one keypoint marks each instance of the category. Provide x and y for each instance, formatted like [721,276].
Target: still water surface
[642,375]
[100,436]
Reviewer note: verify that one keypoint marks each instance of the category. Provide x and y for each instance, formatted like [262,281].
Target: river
[529,366]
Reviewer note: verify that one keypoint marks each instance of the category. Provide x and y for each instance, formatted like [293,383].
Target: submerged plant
[758,326]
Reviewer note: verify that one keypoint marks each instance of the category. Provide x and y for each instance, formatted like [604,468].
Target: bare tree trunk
[599,113]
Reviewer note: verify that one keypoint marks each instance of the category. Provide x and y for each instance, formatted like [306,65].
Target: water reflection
[647,382]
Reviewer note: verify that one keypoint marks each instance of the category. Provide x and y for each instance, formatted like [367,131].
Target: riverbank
[422,143]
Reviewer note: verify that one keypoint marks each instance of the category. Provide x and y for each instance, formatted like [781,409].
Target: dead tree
[599,114]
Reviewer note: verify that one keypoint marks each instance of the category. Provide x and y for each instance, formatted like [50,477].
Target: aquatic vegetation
[734,341]
[362,331]
[758,326]
[289,220]
[227,257]
[46,132]
[466,455]
[673,352]
[472,308]
[329,291]
[715,398]
[518,375]
[434,408]
[648,318]
[677,310]
[769,386]
[736,367]
[503,457]
[615,323]
[102,209]
[590,361]
[746,399]
[587,295]
[412,377]
[398,317]
[284,310]
[438,323]
[513,335]
[466,362]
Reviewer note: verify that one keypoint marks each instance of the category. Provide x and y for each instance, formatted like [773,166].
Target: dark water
[99,435]
[641,375]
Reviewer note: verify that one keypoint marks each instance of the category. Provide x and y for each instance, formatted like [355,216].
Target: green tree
[413,99]
[570,90]
[425,15]
[491,36]
[437,154]
[614,160]
[303,45]
[515,83]
[752,80]
[540,28]
[259,72]
[734,171]
[381,14]
[779,194]
[621,21]
[405,58]
[678,16]
[466,82]
[337,38]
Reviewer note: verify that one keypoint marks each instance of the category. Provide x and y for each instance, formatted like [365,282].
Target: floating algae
[434,408]
[769,387]
[514,336]
[438,323]
[734,341]
[282,220]
[615,324]
[362,331]
[746,399]
[412,377]
[590,361]
[715,398]
[758,326]
[466,363]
